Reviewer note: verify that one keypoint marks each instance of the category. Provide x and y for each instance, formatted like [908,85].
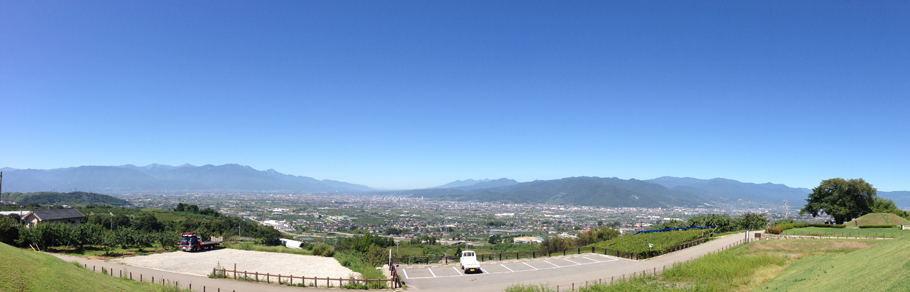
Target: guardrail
[303,281]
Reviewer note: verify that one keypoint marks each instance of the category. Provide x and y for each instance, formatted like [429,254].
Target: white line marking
[526,264]
[431,272]
[507,268]
[484,271]
[555,265]
[405,272]
[457,271]
[577,263]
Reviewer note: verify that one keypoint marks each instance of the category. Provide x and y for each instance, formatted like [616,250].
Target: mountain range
[592,191]
[157,177]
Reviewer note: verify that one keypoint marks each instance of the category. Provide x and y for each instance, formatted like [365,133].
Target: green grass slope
[883,267]
[25,270]
[877,219]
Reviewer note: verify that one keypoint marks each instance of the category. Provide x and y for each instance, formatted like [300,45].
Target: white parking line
[526,264]
[482,270]
[507,268]
[457,271]
[431,272]
[405,272]
[577,263]
[555,265]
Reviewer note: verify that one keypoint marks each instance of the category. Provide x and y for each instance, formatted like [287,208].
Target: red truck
[189,241]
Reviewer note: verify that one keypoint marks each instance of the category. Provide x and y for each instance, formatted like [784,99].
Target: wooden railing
[302,280]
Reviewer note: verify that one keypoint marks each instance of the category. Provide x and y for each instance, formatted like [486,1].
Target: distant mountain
[471,184]
[588,191]
[722,189]
[901,198]
[156,177]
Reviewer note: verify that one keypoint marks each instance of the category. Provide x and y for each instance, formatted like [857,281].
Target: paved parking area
[509,266]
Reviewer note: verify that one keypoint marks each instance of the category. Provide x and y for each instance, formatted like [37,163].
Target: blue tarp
[671,229]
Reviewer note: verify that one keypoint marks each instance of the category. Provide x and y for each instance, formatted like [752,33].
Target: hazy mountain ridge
[156,177]
[593,191]
[471,184]
[901,198]
[727,189]
[590,191]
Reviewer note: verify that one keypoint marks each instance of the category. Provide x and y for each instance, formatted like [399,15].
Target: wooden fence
[304,281]
[540,254]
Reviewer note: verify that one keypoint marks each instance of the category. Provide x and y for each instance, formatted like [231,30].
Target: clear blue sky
[396,94]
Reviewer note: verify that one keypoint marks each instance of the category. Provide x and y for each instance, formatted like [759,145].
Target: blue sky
[396,94]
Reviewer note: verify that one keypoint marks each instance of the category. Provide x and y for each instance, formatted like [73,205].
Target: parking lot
[507,267]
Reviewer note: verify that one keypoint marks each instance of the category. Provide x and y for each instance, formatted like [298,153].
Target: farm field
[657,240]
[844,232]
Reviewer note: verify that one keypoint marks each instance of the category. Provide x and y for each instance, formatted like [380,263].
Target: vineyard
[656,241]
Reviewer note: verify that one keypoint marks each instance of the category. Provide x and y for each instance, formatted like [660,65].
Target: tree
[842,199]
[752,221]
[494,239]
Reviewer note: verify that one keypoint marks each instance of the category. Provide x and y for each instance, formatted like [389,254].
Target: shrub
[323,250]
[878,226]
[781,228]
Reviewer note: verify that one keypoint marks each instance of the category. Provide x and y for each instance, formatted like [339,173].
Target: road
[559,270]
[562,271]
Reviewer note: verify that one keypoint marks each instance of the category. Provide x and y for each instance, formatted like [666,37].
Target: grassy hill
[56,198]
[882,267]
[877,219]
[25,270]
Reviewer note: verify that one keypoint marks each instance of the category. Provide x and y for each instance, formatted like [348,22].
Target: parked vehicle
[469,263]
[189,241]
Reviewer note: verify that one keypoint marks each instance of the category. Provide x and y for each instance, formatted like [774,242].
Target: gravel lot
[200,263]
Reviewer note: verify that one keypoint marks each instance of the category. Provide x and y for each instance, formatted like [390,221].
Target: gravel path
[200,263]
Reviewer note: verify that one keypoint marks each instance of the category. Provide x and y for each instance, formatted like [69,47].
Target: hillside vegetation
[883,267]
[56,198]
[25,270]
[877,219]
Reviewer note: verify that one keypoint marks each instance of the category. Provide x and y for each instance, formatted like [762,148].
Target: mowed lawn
[883,267]
[26,270]
[877,219]
[844,232]
[773,265]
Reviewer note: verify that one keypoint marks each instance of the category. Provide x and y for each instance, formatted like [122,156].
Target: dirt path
[201,263]
[196,282]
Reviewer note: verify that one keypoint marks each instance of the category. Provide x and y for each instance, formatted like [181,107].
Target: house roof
[57,214]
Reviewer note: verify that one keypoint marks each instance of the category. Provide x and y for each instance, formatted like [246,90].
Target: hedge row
[878,226]
[783,227]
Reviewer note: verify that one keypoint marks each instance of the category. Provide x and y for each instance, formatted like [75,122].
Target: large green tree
[842,199]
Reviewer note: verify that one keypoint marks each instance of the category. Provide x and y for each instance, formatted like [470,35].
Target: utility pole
[1,190]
